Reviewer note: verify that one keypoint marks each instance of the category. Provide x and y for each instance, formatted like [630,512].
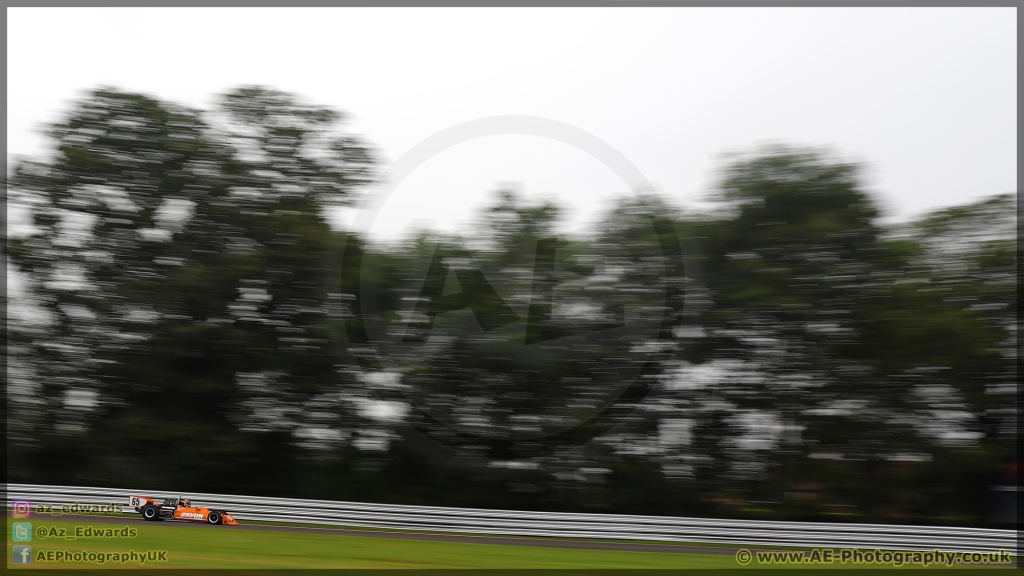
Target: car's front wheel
[150,512]
[213,518]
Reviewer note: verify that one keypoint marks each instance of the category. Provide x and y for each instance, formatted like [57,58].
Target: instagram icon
[22,509]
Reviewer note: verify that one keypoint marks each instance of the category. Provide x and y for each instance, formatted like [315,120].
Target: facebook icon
[21,554]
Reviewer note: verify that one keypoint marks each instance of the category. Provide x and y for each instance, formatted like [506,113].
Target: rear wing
[140,501]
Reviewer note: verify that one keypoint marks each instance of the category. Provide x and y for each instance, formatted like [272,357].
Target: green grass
[225,547]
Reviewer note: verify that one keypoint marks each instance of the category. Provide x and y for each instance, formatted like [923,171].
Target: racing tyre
[213,518]
[150,512]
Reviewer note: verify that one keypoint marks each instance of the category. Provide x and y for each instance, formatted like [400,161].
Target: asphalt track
[463,538]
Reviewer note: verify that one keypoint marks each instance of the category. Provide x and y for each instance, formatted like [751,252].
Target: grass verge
[222,547]
[190,547]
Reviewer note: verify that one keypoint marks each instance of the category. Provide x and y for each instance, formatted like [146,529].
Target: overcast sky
[927,97]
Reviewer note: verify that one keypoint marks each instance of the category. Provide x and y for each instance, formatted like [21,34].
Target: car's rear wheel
[213,518]
[150,512]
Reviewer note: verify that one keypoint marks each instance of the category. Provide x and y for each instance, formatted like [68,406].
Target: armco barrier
[550,524]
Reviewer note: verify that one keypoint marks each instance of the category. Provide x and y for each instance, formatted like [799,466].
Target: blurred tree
[100,228]
[967,256]
[821,342]
[512,346]
[190,326]
[184,263]
[785,274]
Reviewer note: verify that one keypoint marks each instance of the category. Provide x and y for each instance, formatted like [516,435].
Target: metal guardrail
[551,524]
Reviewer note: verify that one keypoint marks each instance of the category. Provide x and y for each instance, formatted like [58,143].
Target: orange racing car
[178,509]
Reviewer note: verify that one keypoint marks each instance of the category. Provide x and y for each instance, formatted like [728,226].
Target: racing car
[178,509]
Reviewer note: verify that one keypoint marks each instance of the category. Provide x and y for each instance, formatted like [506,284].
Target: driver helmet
[186,503]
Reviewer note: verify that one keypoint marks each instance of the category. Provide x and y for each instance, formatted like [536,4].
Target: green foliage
[196,302]
[196,323]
